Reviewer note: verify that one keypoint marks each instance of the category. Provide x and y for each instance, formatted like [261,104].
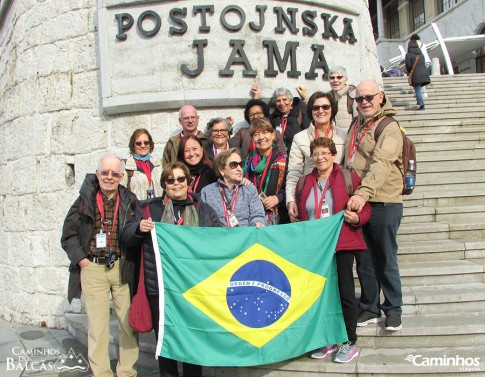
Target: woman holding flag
[176,208]
[322,193]
[265,167]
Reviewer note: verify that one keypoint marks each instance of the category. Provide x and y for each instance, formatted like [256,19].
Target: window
[444,5]
[392,21]
[418,18]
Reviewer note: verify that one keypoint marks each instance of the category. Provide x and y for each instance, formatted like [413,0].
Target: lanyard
[145,166]
[354,144]
[100,204]
[216,151]
[225,202]
[327,132]
[193,187]
[284,122]
[319,205]
[264,174]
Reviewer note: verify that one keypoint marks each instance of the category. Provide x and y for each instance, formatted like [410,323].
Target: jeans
[419,95]
[377,267]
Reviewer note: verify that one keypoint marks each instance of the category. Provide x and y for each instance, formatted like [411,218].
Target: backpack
[408,150]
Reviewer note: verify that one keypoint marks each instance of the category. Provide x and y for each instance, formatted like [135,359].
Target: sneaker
[421,108]
[346,353]
[365,318]
[322,352]
[393,322]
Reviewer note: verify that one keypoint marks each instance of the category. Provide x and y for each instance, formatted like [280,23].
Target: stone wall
[53,128]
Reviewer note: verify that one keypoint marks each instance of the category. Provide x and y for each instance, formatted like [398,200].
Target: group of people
[300,162]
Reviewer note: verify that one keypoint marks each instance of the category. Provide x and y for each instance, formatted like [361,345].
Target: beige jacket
[379,165]
[300,162]
[139,181]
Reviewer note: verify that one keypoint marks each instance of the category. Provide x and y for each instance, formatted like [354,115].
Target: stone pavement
[39,351]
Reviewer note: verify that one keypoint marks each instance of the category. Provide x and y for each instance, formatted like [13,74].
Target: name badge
[325,211]
[233,220]
[101,240]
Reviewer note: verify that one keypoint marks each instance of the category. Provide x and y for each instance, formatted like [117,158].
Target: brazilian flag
[247,296]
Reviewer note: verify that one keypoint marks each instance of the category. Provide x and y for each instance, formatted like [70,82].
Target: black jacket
[79,229]
[420,73]
[297,121]
[133,238]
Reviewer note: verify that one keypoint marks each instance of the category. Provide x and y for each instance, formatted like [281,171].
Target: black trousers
[346,287]
[168,367]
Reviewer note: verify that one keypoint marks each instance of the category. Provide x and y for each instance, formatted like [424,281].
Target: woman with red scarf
[143,171]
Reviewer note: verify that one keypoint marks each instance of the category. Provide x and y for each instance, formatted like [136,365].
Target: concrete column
[404,18]
[380,20]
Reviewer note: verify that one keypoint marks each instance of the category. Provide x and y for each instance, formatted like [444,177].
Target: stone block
[57,304]
[16,211]
[11,278]
[24,176]
[26,281]
[43,214]
[78,132]
[57,171]
[162,125]
[55,92]
[85,93]
[39,249]
[21,253]
[54,58]
[58,257]
[13,99]
[122,129]
[85,60]
[30,95]
[51,280]
[30,132]
[27,65]
[65,26]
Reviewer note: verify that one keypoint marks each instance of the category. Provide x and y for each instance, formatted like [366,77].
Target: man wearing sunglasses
[189,120]
[100,265]
[378,164]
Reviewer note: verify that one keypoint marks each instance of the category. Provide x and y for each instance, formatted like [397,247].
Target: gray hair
[338,69]
[114,155]
[282,92]
[214,121]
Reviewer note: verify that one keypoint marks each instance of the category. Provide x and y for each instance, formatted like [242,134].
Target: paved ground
[38,351]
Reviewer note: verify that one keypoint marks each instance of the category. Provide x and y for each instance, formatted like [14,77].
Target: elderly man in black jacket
[101,265]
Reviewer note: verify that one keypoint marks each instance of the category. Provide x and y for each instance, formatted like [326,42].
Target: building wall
[462,19]
[53,128]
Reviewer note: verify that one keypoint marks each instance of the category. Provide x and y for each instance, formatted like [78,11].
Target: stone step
[372,362]
[475,154]
[474,249]
[457,130]
[412,250]
[423,232]
[441,272]
[470,229]
[446,198]
[472,164]
[455,148]
[418,215]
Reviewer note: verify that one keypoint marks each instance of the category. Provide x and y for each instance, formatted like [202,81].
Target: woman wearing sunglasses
[177,208]
[321,194]
[143,171]
[265,168]
[235,204]
[191,152]
[322,109]
[342,93]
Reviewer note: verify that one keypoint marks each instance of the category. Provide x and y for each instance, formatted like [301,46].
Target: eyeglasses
[106,173]
[318,107]
[336,77]
[171,181]
[140,143]
[255,114]
[219,131]
[235,164]
[316,155]
[368,98]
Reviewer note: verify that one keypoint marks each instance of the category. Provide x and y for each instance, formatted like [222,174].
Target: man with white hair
[189,120]
[100,265]
[377,159]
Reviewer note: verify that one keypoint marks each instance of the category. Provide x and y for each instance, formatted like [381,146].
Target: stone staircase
[441,249]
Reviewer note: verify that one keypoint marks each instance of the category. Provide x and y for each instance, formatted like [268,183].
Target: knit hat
[415,37]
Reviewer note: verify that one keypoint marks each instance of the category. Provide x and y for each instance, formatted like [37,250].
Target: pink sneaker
[346,353]
[322,352]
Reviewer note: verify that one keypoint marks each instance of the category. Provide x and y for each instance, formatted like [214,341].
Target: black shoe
[365,318]
[421,108]
[393,322]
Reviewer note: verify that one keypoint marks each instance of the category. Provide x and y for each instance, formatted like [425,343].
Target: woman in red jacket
[323,193]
